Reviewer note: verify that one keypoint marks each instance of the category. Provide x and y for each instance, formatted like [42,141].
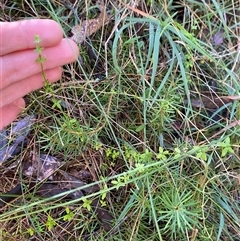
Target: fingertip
[73,49]
[55,74]
[48,30]
[21,35]
[20,103]
[10,112]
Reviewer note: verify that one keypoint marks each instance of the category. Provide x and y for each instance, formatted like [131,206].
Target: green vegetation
[153,116]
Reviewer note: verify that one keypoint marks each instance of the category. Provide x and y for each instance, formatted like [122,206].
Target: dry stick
[233,124]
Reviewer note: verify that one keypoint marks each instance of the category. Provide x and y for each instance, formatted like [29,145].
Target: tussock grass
[147,117]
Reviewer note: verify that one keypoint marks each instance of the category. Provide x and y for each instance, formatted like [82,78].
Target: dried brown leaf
[89,26]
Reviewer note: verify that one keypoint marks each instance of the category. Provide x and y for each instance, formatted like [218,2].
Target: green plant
[179,212]
[121,181]
[30,231]
[51,223]
[41,59]
[226,147]
[87,203]
[65,135]
[69,215]
[145,111]
[201,152]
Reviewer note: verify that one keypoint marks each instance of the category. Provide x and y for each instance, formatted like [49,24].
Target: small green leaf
[103,203]
[30,231]
[37,39]
[104,194]
[38,49]
[114,182]
[67,210]
[140,128]
[140,166]
[162,154]
[56,103]
[69,215]
[40,59]
[221,226]
[202,155]
[50,223]
[177,153]
[87,204]
[227,150]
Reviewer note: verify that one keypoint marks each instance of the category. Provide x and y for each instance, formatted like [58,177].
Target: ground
[144,127]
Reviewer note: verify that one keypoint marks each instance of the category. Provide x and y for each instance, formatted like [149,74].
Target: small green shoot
[31,231]
[69,215]
[51,223]
[121,181]
[226,147]
[201,152]
[162,154]
[87,203]
[40,59]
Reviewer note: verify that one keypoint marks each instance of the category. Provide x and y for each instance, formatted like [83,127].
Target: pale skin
[20,74]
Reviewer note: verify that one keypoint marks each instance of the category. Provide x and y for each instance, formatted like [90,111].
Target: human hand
[19,72]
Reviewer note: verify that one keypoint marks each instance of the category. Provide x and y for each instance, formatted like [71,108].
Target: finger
[20,65]
[23,87]
[20,35]
[9,112]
